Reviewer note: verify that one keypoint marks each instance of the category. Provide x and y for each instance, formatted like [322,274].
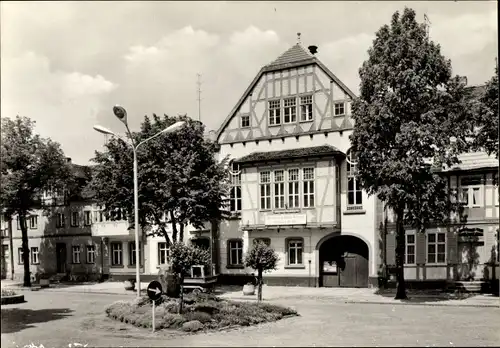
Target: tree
[31,165]
[410,123]
[487,117]
[181,258]
[261,258]
[180,180]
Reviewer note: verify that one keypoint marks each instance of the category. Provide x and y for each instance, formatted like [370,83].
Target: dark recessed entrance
[344,262]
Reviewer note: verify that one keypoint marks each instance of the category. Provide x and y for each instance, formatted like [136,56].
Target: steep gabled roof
[304,152]
[294,57]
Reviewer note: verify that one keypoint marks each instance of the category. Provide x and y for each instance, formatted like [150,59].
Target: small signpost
[154,291]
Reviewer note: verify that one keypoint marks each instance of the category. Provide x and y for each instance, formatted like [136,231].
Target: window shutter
[421,248]
[391,248]
[452,241]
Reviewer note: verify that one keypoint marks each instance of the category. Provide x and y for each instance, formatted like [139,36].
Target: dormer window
[274,112]
[306,108]
[245,121]
[339,109]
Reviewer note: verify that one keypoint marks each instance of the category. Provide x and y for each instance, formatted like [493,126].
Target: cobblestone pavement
[56,319]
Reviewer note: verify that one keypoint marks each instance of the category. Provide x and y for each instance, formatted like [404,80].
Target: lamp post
[121,114]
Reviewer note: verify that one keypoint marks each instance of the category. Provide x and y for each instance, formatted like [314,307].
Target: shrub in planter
[129,284]
[248,289]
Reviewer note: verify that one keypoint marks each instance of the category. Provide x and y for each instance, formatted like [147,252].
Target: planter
[12,299]
[248,289]
[129,284]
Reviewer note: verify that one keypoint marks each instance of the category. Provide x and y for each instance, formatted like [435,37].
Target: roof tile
[293,55]
[289,154]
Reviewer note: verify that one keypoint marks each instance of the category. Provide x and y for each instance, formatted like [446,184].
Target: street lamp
[121,114]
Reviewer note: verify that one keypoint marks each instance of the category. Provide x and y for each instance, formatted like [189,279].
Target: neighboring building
[294,186]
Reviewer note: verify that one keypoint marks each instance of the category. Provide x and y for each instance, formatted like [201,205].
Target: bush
[208,311]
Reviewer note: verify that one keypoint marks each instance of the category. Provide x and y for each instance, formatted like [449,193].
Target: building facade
[294,187]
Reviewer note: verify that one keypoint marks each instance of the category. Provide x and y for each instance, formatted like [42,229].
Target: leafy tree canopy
[487,117]
[30,165]
[410,112]
[411,121]
[180,180]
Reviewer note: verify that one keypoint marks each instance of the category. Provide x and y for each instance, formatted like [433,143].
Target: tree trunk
[26,250]
[174,226]
[400,254]
[181,233]
[181,295]
[259,285]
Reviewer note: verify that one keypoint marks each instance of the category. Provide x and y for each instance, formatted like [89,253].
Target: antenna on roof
[298,38]
[198,82]
[427,24]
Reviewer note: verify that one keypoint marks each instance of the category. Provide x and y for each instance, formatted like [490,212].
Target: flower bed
[10,297]
[8,292]
[200,313]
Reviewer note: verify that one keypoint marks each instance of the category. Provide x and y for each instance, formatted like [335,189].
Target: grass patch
[202,312]
[8,292]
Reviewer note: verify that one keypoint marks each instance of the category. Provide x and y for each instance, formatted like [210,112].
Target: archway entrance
[344,262]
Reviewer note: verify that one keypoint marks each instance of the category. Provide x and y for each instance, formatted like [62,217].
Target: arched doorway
[344,262]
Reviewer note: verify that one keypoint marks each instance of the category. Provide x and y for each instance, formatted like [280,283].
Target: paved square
[56,319]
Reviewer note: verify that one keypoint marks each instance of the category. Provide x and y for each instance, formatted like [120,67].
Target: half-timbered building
[294,186]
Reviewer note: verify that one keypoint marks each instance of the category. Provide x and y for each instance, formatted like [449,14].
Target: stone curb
[12,299]
[428,304]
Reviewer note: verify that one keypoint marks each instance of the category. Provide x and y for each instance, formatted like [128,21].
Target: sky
[65,64]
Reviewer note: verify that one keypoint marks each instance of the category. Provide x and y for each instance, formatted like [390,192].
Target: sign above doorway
[285,219]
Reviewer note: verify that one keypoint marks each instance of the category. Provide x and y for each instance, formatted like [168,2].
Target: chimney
[68,159]
[313,49]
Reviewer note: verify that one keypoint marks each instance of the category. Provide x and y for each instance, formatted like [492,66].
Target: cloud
[165,72]
[64,104]
[146,56]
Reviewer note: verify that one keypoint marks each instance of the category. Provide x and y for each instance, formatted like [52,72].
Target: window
[235,189]
[60,220]
[75,254]
[131,254]
[436,247]
[87,218]
[294,250]
[410,249]
[235,252]
[34,256]
[74,219]
[98,216]
[339,109]
[279,189]
[20,253]
[354,193]
[274,112]
[116,254]
[265,190]
[306,108]
[496,198]
[471,192]
[245,121]
[90,253]
[266,241]
[290,110]
[308,175]
[18,223]
[5,251]
[293,188]
[33,221]
[162,253]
